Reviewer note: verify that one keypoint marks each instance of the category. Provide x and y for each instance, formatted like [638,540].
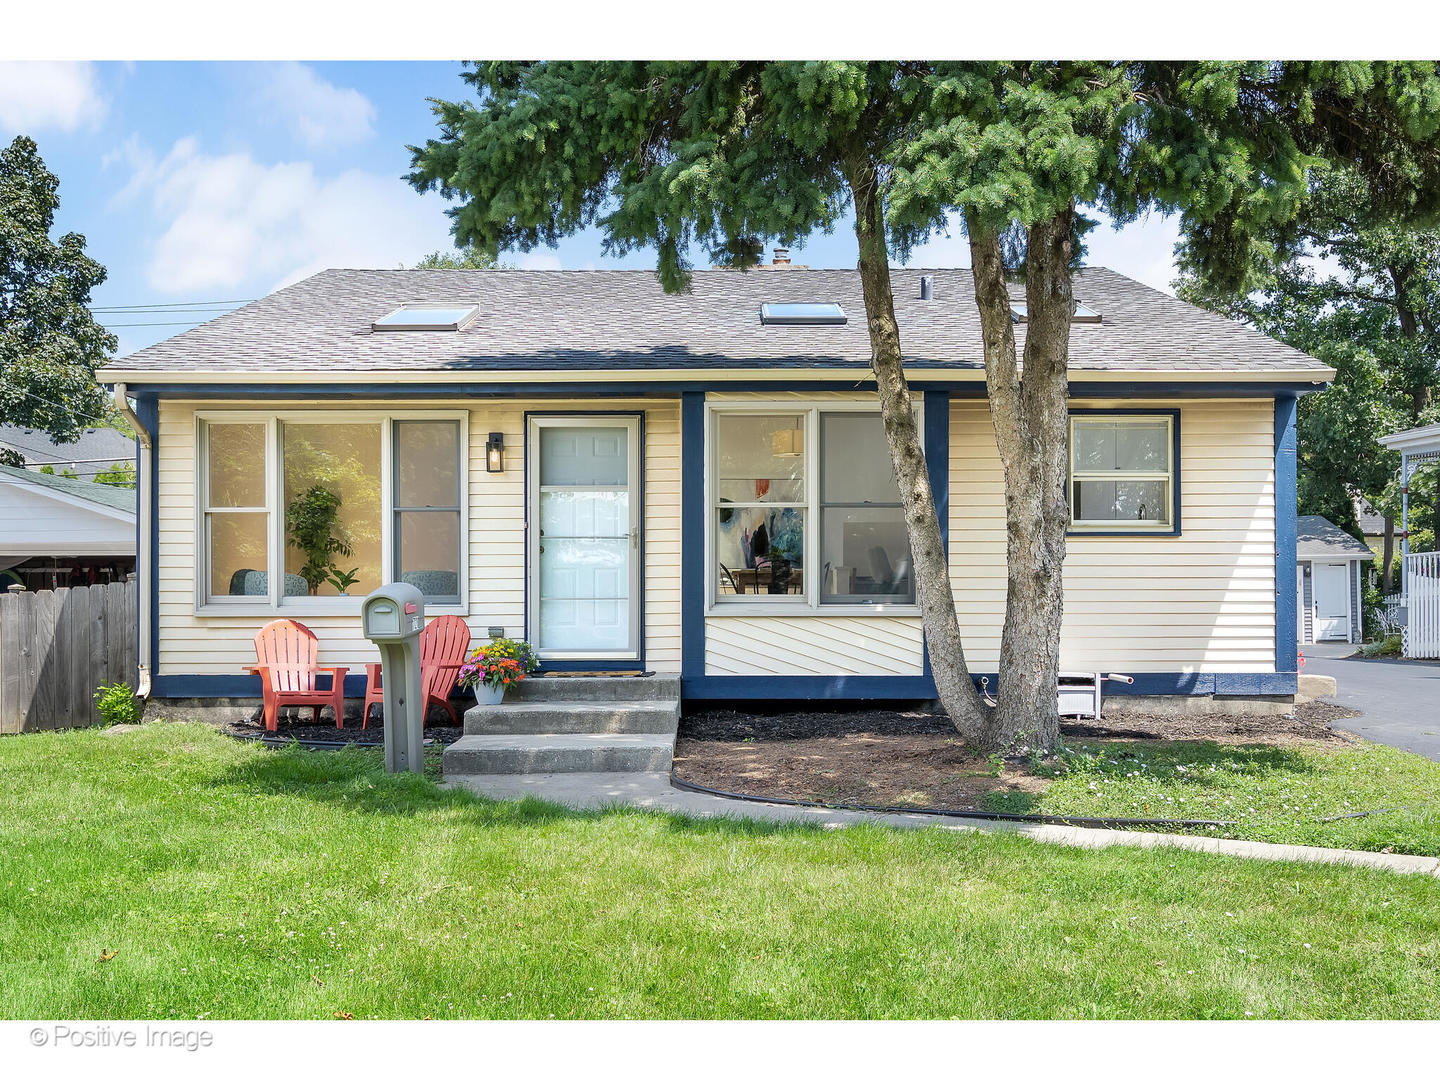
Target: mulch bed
[438,729]
[887,758]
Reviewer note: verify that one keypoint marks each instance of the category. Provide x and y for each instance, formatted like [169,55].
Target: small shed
[1328,568]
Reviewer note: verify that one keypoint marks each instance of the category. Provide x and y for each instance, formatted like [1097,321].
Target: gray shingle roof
[1317,538]
[116,498]
[622,320]
[95,451]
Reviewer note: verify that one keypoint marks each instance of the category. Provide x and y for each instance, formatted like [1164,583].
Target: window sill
[1134,534]
[771,610]
[327,608]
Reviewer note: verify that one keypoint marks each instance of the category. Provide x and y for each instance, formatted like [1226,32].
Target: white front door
[1332,601]
[584,536]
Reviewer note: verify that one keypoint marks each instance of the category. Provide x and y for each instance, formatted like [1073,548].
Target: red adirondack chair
[443,645]
[285,652]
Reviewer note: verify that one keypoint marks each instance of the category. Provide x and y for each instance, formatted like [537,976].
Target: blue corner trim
[1286,511]
[147,411]
[692,534]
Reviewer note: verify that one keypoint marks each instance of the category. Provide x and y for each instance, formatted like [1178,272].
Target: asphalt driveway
[1400,699]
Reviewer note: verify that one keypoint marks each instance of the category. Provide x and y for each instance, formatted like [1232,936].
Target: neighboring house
[1330,565]
[58,531]
[97,450]
[1372,525]
[688,484]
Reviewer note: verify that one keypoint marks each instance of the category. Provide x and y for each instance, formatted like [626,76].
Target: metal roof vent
[927,286]
[801,315]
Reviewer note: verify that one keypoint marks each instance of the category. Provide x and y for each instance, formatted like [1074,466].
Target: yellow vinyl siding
[1203,601]
[192,644]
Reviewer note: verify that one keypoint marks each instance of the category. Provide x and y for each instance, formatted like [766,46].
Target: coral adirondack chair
[285,653]
[443,645]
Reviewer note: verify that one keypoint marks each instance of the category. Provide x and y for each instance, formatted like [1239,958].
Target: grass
[1300,794]
[234,881]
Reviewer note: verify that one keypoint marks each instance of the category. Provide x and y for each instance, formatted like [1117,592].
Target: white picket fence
[1422,582]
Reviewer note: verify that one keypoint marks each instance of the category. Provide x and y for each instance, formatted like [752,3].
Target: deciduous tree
[50,344]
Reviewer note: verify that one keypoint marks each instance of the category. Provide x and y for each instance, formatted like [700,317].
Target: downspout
[144,540]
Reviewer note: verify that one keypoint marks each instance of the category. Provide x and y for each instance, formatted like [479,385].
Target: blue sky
[200,182]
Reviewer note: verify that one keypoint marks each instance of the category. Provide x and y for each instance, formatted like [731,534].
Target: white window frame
[1165,526]
[809,604]
[275,604]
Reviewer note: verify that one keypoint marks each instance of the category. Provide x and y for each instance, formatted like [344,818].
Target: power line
[187,322]
[181,304]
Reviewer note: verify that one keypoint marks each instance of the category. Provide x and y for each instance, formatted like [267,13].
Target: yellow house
[699,484]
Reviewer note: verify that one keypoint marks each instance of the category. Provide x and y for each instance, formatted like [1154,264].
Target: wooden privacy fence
[57,646]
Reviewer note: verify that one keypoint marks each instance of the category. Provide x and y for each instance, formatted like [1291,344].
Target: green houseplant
[311,520]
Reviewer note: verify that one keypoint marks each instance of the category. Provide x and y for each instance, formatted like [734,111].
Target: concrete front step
[573,717]
[596,688]
[476,755]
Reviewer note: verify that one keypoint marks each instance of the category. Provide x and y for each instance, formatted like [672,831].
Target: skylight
[801,315]
[1081,314]
[427,317]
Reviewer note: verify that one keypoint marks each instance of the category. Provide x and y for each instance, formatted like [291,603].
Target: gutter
[145,542]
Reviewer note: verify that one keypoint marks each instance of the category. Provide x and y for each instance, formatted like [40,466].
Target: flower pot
[489,695]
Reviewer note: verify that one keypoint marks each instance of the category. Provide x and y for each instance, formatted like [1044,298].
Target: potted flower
[491,669]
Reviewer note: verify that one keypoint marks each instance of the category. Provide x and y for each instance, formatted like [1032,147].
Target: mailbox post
[392,617]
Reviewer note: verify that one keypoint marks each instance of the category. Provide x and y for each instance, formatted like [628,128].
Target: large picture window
[1122,473]
[316,510]
[805,511]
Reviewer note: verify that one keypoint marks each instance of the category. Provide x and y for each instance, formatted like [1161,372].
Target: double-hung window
[312,511]
[1122,473]
[805,511]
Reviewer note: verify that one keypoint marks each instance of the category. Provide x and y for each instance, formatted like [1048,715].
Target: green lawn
[1283,794]
[232,881]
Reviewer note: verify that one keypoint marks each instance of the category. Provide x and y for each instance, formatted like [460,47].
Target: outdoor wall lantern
[495,452]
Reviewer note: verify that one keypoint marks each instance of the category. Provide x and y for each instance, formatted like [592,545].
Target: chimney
[782,256]
[927,286]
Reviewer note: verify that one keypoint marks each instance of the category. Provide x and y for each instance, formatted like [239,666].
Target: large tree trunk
[1030,414]
[953,684]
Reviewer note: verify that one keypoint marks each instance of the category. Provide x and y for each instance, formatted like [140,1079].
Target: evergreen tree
[673,155]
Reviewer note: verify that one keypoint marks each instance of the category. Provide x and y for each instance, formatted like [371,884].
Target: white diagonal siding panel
[813,645]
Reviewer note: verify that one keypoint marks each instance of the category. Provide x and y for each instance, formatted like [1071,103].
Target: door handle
[635,537]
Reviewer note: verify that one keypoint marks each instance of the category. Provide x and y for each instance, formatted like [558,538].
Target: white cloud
[319,113]
[40,94]
[228,220]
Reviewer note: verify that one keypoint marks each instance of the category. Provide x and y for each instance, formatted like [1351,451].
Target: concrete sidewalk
[653,791]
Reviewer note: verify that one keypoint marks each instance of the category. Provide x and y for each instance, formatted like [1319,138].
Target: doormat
[593,674]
